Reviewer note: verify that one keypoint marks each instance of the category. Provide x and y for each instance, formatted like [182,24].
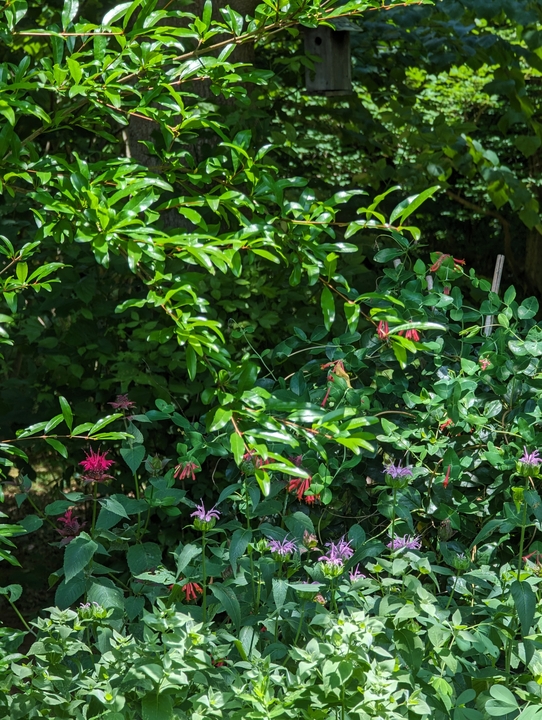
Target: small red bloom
[446,290]
[445,424]
[185,470]
[311,499]
[95,466]
[299,485]
[447,478]
[122,403]
[383,330]
[72,527]
[442,258]
[484,363]
[411,335]
[191,591]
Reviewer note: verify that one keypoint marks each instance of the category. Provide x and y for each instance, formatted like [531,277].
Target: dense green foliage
[317,495]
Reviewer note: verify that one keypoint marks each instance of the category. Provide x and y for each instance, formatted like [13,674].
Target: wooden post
[332,74]
[495,285]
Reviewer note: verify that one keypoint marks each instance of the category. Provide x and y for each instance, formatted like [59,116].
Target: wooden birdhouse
[332,74]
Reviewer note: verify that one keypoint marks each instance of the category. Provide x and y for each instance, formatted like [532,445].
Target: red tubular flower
[299,485]
[445,424]
[191,591]
[447,478]
[311,499]
[95,466]
[383,330]
[185,470]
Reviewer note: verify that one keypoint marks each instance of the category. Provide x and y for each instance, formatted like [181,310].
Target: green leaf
[239,543]
[133,456]
[143,557]
[218,419]
[69,11]
[352,312]
[14,592]
[79,552]
[237,447]
[58,446]
[157,707]
[248,376]
[528,308]
[66,412]
[103,422]
[70,591]
[185,556]
[501,703]
[262,478]
[412,203]
[328,307]
[228,599]
[280,589]
[106,593]
[191,362]
[384,256]
[112,505]
[525,602]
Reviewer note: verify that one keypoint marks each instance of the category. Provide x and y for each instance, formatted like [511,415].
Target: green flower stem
[301,618]
[21,618]
[204,574]
[394,500]
[94,504]
[523,523]
[40,513]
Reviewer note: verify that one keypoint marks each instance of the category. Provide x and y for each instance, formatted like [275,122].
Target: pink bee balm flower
[72,527]
[95,467]
[204,519]
[122,403]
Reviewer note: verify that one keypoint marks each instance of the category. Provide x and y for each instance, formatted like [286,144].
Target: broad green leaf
[412,203]
[58,446]
[237,447]
[328,307]
[133,456]
[66,411]
[157,707]
[525,602]
[143,557]
[227,598]
[69,11]
[239,543]
[79,552]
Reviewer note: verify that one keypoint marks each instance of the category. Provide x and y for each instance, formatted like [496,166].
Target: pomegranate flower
[122,402]
[71,527]
[95,467]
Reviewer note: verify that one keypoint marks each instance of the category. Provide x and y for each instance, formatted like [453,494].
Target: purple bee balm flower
[356,574]
[396,471]
[411,543]
[338,552]
[205,519]
[282,549]
[533,459]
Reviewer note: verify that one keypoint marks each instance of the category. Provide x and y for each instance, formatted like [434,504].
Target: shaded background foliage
[445,93]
